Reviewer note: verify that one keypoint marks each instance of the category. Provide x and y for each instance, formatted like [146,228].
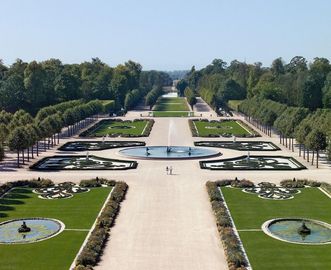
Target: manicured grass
[78,212]
[250,212]
[206,129]
[171,104]
[135,128]
[170,114]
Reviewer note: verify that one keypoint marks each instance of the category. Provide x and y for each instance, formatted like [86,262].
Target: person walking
[167,170]
[170,170]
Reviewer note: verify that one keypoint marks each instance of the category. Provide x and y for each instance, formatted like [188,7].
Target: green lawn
[170,114]
[112,127]
[218,128]
[171,104]
[264,252]
[78,212]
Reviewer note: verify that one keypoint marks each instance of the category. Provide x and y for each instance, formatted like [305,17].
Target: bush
[232,245]
[92,250]
[97,182]
[242,183]
[34,183]
[326,187]
[299,183]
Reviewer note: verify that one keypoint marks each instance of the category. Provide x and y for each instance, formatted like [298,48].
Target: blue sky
[164,35]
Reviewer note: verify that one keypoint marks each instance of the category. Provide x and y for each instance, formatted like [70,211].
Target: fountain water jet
[170,151]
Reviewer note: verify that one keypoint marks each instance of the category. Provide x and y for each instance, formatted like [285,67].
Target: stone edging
[248,267]
[73,265]
[266,230]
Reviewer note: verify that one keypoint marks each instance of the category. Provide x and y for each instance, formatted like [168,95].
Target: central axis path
[166,221]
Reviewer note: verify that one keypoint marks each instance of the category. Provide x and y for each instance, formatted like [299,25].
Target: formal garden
[97,145]
[47,233]
[253,162]
[276,233]
[240,145]
[220,128]
[171,107]
[119,128]
[82,162]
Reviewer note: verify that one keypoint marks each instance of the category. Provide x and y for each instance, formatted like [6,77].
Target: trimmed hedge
[34,183]
[92,251]
[326,187]
[299,183]
[97,182]
[232,245]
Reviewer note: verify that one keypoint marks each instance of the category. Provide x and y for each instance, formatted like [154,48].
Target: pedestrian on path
[170,170]
[167,170]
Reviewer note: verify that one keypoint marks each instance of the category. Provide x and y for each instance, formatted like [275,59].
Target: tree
[316,141]
[18,141]
[277,67]
[13,95]
[311,93]
[297,64]
[181,86]
[190,97]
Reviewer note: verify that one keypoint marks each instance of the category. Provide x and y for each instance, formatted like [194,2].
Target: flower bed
[79,162]
[137,128]
[98,145]
[221,128]
[253,163]
[60,191]
[240,145]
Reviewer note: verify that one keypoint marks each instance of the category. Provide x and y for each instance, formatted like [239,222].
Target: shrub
[233,248]
[97,182]
[92,250]
[299,183]
[326,187]
[242,183]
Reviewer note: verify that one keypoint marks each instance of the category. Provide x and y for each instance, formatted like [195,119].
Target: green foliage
[153,95]
[190,96]
[181,86]
[92,250]
[2,152]
[232,246]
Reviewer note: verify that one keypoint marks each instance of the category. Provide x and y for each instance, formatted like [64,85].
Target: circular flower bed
[270,191]
[40,229]
[61,191]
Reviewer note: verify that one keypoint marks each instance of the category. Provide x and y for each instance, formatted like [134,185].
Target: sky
[164,35]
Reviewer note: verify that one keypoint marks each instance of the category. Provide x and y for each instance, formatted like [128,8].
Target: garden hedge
[90,255]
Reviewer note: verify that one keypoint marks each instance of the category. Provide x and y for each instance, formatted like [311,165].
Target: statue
[304,230]
[24,228]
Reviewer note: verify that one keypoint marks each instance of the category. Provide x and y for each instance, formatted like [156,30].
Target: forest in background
[297,83]
[292,98]
[32,86]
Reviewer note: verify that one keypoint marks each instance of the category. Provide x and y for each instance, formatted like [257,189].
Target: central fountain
[170,151]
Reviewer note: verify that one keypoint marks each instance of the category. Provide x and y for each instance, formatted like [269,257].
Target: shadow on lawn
[14,197]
